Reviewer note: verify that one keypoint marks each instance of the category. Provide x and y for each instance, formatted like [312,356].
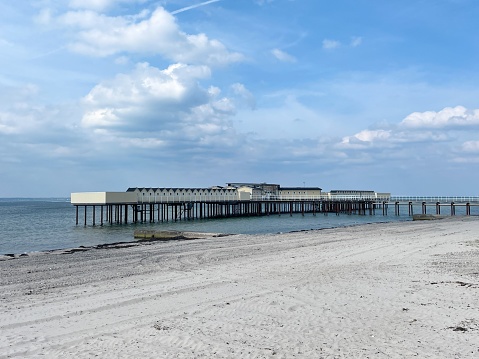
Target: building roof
[168,189]
[300,189]
[351,191]
[247,184]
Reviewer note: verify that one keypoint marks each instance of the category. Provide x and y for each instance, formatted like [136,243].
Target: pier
[134,207]
[123,213]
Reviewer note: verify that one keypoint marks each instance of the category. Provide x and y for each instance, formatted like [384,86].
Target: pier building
[300,192]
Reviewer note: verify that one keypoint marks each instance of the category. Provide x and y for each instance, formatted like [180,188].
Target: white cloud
[166,105]
[20,114]
[147,143]
[330,44]
[449,116]
[471,146]
[247,97]
[356,41]
[44,17]
[367,136]
[122,60]
[102,35]
[287,119]
[5,43]
[29,131]
[283,56]
[97,5]
[138,96]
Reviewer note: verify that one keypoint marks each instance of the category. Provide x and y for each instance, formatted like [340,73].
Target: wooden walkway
[124,213]
[176,211]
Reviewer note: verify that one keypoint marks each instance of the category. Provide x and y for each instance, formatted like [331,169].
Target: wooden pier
[124,208]
[123,213]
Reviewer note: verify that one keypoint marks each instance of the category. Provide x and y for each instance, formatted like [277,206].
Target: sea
[42,224]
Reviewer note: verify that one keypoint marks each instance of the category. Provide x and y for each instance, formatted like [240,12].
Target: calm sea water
[30,225]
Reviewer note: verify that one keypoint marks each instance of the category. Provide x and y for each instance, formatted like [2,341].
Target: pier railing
[337,198]
[233,198]
[435,199]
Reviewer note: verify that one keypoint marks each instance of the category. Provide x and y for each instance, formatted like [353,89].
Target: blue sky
[99,95]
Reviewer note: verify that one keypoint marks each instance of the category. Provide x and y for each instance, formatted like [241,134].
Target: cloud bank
[155,33]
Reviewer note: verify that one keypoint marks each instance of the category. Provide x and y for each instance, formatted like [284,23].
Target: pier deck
[122,208]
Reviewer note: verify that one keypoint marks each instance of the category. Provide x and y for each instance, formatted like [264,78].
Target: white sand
[391,290]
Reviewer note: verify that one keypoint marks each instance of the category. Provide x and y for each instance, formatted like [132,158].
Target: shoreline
[10,256]
[395,289]
[181,236]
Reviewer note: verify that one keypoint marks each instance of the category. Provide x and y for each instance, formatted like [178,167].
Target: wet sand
[391,290]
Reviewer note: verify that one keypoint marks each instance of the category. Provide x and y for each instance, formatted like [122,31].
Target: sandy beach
[392,290]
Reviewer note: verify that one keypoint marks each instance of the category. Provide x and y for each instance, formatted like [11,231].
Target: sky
[102,95]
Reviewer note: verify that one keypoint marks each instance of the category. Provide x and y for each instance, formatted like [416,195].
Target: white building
[161,195]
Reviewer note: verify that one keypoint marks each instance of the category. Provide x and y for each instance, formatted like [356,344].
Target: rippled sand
[390,290]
